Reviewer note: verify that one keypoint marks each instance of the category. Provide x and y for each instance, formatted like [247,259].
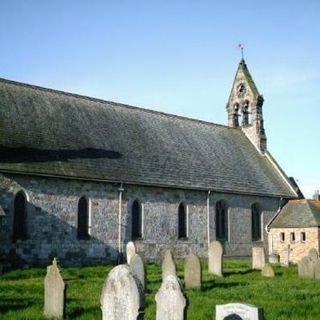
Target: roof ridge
[312,212]
[123,105]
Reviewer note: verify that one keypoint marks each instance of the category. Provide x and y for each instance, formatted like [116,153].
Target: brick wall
[298,248]
[52,220]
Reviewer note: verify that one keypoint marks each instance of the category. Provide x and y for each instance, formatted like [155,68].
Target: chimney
[316,195]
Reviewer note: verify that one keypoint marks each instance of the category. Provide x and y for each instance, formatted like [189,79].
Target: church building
[80,177]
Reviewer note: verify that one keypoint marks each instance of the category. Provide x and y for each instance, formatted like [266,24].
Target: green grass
[283,297]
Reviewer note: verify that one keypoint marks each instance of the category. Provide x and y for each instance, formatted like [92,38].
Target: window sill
[183,239]
[137,239]
[84,239]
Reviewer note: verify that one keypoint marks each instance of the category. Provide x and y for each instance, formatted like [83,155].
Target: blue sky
[178,57]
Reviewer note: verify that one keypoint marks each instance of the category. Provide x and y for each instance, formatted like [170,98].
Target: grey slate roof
[49,132]
[298,213]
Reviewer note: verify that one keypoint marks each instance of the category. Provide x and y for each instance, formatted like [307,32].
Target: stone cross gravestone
[121,297]
[215,258]
[238,311]
[54,292]
[192,272]
[137,269]
[170,300]
[258,258]
[285,257]
[130,251]
[168,265]
[267,271]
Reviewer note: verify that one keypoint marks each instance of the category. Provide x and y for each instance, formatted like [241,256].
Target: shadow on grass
[212,284]
[238,272]
[78,311]
[9,304]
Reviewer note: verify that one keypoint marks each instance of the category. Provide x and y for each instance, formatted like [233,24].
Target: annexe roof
[298,213]
[49,132]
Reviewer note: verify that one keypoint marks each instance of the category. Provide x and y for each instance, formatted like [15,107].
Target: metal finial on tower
[241,46]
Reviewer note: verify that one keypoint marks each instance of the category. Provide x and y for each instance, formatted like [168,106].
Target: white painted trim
[270,243]
[228,224]
[89,216]
[249,138]
[142,219]
[187,220]
[261,225]
[279,170]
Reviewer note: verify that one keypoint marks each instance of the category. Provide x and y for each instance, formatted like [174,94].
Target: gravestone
[170,300]
[267,271]
[121,297]
[286,256]
[137,269]
[274,258]
[313,255]
[258,258]
[192,272]
[215,258]
[54,292]
[130,251]
[306,268]
[168,265]
[238,311]
[317,269]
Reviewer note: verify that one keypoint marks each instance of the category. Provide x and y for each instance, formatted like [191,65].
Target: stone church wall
[52,220]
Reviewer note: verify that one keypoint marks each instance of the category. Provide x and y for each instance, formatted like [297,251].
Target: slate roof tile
[49,132]
[298,213]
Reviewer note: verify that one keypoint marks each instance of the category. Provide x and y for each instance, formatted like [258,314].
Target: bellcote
[244,107]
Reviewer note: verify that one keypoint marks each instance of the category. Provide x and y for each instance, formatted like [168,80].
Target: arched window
[256,222]
[182,221]
[20,216]
[83,218]
[221,220]
[136,220]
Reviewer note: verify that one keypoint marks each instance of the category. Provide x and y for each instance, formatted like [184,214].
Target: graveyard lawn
[283,297]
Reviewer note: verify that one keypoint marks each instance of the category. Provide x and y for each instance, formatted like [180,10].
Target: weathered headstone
[168,265]
[313,254]
[170,300]
[316,267]
[192,272]
[137,269]
[121,297]
[274,258]
[267,271]
[238,311]
[54,292]
[306,268]
[130,251]
[215,258]
[258,258]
